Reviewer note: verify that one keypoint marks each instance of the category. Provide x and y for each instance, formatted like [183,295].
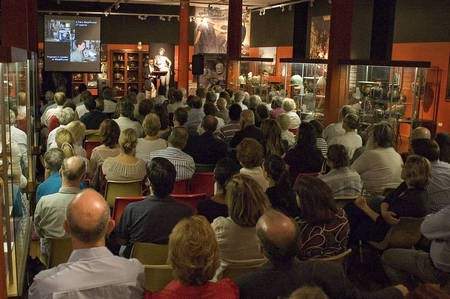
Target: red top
[224,289]
[53,123]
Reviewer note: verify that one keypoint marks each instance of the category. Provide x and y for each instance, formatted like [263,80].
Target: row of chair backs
[122,188]
[59,251]
[150,253]
[191,200]
[121,203]
[201,182]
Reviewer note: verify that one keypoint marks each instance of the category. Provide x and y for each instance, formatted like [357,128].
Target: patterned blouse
[318,241]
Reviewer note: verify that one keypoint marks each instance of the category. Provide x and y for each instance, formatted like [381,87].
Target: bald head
[88,218]
[247,118]
[209,123]
[420,133]
[278,234]
[73,169]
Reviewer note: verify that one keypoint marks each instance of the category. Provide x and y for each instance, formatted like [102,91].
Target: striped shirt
[227,132]
[184,164]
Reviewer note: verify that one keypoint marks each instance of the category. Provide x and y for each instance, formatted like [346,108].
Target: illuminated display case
[404,93]
[305,81]
[17,97]
[250,74]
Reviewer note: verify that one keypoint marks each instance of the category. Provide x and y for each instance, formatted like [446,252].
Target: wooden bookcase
[126,70]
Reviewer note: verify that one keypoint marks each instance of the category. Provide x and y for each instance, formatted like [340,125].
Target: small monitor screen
[72,43]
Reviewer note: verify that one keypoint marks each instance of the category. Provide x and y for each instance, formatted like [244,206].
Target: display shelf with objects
[305,82]
[250,74]
[18,94]
[404,93]
[126,70]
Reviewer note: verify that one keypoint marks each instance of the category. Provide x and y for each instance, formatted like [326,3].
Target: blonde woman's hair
[284,121]
[246,200]
[193,251]
[271,131]
[308,292]
[289,104]
[77,129]
[417,171]
[64,141]
[128,141]
[151,124]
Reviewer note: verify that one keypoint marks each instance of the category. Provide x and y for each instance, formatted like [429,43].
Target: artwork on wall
[268,52]
[320,37]
[211,29]
[214,71]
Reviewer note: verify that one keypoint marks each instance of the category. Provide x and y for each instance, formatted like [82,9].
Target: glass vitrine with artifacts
[404,93]
[18,91]
[250,74]
[305,82]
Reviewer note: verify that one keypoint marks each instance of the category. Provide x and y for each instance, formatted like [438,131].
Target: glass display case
[404,93]
[250,74]
[305,81]
[18,91]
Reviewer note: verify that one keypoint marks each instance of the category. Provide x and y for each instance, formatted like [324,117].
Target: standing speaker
[197,64]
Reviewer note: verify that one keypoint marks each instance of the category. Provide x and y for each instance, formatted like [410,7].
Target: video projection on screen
[72,44]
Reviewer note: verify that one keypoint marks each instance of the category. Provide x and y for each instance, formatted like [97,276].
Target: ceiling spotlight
[260,12]
[106,13]
[264,12]
[290,7]
[282,8]
[117,5]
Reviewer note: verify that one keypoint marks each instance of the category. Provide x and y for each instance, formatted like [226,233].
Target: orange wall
[438,54]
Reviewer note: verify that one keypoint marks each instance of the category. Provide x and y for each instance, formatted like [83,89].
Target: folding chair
[150,253]
[59,251]
[122,188]
[121,203]
[191,200]
[203,182]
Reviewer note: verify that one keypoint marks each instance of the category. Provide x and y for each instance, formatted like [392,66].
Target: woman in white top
[351,140]
[236,234]
[125,166]
[250,153]
[151,142]
[380,166]
[126,110]
[290,107]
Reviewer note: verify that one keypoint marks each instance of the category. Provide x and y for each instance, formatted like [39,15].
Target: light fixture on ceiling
[282,6]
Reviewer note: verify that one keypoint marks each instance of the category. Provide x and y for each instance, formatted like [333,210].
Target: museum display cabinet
[404,93]
[18,93]
[250,74]
[305,82]
[126,70]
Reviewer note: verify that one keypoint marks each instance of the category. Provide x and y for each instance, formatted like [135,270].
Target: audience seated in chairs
[336,129]
[284,273]
[351,140]
[226,133]
[343,181]
[236,233]
[290,108]
[283,120]
[53,160]
[78,131]
[324,229]
[274,144]
[443,139]
[152,219]
[125,166]
[280,193]
[94,117]
[151,142]
[92,271]
[194,256]
[66,116]
[305,157]
[217,205]
[126,110]
[250,153]
[248,129]
[408,200]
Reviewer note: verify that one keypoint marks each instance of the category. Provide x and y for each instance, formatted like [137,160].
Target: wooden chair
[405,234]
[204,167]
[150,253]
[59,251]
[89,145]
[94,137]
[181,187]
[157,277]
[342,201]
[335,258]
[122,188]
[203,182]
[191,200]
[121,203]
[234,271]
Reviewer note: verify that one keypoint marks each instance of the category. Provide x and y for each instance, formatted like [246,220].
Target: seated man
[434,267]
[53,160]
[284,273]
[184,164]
[248,129]
[205,148]
[92,271]
[50,211]
[439,187]
[152,219]
[226,133]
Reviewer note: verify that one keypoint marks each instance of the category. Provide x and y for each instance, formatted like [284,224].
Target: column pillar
[234,34]
[19,24]
[382,30]
[183,54]
[300,30]
[340,48]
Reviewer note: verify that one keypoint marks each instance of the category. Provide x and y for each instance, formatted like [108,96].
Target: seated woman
[125,166]
[151,142]
[305,157]
[324,229]
[250,154]
[274,144]
[125,121]
[342,180]
[194,256]
[283,120]
[291,110]
[408,200]
[217,205]
[78,131]
[109,136]
[280,193]
[236,234]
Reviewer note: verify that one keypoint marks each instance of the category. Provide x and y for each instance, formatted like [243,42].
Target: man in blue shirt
[53,160]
